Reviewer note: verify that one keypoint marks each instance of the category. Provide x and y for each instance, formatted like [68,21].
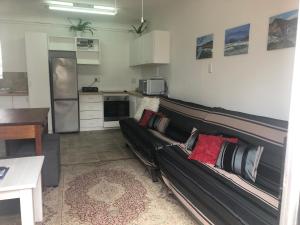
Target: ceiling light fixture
[104,7]
[82,10]
[86,8]
[60,3]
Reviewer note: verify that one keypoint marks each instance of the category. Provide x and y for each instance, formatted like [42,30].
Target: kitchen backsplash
[15,81]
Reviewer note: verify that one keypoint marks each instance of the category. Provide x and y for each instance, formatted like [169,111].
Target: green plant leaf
[135,29]
[86,24]
[141,28]
[83,26]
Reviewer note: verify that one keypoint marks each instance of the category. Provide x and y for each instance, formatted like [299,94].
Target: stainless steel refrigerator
[64,91]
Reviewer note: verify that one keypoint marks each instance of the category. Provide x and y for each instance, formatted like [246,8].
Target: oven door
[116,108]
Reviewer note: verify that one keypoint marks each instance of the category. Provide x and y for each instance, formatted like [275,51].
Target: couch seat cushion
[222,197]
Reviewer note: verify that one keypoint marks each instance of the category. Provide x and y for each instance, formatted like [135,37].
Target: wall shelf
[61,43]
[87,49]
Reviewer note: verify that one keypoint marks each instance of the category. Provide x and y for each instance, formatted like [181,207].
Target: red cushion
[208,148]
[147,114]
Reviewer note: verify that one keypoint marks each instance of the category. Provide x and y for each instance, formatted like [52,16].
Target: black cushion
[176,133]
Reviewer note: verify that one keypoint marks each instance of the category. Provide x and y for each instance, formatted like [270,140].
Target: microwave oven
[152,87]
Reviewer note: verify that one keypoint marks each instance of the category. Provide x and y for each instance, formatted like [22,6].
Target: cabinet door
[20,102]
[151,48]
[36,49]
[132,54]
[6,102]
[136,52]
[138,101]
[148,48]
[90,106]
[161,47]
[38,69]
[90,98]
[132,106]
[87,115]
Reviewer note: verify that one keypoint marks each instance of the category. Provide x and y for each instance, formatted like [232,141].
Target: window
[1,64]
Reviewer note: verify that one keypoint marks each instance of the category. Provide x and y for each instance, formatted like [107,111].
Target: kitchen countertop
[16,93]
[112,93]
[90,93]
[134,93]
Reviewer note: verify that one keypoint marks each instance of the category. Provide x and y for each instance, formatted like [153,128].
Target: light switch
[210,68]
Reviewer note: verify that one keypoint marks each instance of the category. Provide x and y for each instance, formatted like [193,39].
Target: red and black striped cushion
[158,122]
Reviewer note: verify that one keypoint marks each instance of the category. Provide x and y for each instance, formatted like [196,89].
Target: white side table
[23,180]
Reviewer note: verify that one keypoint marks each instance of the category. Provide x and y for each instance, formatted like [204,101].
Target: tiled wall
[16,81]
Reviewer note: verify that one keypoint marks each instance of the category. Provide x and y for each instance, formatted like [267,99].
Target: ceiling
[129,10]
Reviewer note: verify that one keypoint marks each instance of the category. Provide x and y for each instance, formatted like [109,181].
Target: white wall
[114,71]
[257,83]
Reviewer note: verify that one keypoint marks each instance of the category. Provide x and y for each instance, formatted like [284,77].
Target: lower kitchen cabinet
[6,102]
[20,102]
[91,112]
[88,115]
[134,102]
[91,124]
[14,102]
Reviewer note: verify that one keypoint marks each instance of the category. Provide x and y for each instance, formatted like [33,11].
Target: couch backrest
[185,115]
[256,130]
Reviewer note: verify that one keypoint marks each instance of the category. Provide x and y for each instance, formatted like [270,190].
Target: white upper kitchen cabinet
[36,46]
[136,56]
[88,51]
[151,48]
[62,43]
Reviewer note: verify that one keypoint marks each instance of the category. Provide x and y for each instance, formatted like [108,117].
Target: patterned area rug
[92,147]
[109,193]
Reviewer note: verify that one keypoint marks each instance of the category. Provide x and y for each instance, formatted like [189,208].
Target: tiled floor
[96,146]
[102,183]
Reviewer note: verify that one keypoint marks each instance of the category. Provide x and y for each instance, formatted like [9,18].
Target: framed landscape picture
[283,30]
[204,47]
[237,40]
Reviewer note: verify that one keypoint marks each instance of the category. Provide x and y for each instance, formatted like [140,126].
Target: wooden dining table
[29,123]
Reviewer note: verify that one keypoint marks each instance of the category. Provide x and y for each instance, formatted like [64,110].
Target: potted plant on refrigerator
[82,27]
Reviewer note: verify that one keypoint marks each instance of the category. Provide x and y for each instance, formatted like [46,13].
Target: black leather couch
[214,196]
